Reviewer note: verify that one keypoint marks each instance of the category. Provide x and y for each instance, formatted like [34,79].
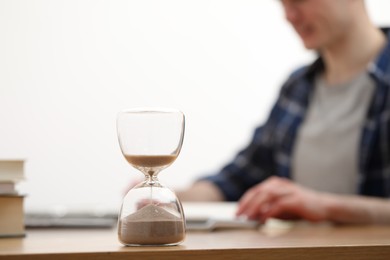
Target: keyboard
[44,220]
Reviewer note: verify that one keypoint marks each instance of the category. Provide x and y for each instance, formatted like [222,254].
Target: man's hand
[280,198]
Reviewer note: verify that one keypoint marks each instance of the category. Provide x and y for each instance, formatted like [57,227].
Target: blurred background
[68,67]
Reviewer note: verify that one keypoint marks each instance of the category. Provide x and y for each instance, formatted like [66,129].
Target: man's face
[319,23]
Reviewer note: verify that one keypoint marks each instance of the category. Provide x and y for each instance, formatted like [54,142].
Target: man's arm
[281,198]
[357,209]
[201,191]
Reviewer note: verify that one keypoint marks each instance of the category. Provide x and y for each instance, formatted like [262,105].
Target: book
[11,203]
[11,216]
[11,170]
[8,188]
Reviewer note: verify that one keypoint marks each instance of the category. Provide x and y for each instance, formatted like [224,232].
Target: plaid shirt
[270,150]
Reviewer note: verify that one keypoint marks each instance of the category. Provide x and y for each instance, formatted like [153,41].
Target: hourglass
[150,140]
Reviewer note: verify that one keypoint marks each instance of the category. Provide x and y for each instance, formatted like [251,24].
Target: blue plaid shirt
[270,150]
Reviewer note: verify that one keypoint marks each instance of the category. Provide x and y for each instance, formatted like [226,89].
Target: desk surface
[298,241]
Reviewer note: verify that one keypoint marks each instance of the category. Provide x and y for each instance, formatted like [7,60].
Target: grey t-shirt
[325,155]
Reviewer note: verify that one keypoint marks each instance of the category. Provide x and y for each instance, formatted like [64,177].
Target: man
[329,131]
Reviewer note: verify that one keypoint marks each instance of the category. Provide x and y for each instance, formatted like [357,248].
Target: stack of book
[11,201]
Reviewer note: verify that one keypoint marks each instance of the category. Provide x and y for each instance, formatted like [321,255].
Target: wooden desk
[300,241]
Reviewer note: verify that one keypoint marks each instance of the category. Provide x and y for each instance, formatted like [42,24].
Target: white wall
[67,68]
